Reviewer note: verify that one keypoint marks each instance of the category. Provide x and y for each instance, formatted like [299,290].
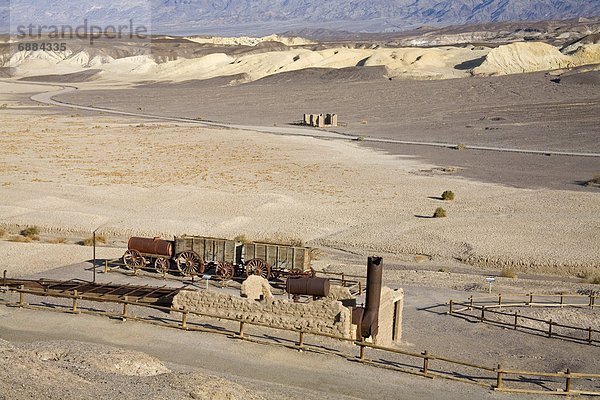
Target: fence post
[359,288]
[562,299]
[550,328]
[482,313]
[516,317]
[124,316]
[105,266]
[75,294]
[343,280]
[499,377]
[590,335]
[500,299]
[568,383]
[425,362]
[241,334]
[592,300]
[451,308]
[471,302]
[21,297]
[301,341]
[184,317]
[362,351]
[530,298]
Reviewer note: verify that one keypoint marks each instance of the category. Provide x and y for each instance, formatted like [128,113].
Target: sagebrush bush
[508,273]
[30,232]
[58,240]
[439,213]
[20,239]
[448,195]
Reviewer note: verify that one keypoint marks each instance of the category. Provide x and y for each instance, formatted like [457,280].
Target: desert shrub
[58,240]
[2,232]
[508,273]
[595,181]
[439,213]
[461,146]
[100,239]
[448,195]
[242,238]
[364,122]
[20,239]
[31,232]
[360,138]
[595,280]
[3,106]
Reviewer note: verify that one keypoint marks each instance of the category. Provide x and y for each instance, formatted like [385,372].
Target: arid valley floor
[351,191]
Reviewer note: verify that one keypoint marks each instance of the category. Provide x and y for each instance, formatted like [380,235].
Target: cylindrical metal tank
[300,285]
[157,246]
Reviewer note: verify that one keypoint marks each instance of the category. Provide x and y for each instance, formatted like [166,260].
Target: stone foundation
[320,316]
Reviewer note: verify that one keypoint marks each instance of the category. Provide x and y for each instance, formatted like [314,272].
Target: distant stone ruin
[320,120]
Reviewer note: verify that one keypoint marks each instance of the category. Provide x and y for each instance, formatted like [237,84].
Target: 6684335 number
[42,46]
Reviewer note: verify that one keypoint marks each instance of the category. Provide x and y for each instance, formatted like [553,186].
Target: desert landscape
[202,135]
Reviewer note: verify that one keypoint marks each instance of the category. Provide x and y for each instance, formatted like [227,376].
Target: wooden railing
[496,378]
[485,309]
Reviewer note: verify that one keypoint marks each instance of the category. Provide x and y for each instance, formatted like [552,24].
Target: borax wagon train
[195,255]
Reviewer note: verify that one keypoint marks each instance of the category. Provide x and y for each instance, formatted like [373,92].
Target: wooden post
[471,302]
[590,335]
[425,362]
[482,313]
[530,299]
[562,301]
[75,294]
[451,308]
[592,299]
[516,318]
[343,280]
[550,328]
[184,317]
[105,266]
[4,278]
[21,297]
[124,316]
[568,382]
[500,299]
[359,288]
[301,340]
[241,334]
[362,350]
[499,377]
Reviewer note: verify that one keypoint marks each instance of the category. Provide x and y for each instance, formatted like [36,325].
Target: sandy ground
[65,172]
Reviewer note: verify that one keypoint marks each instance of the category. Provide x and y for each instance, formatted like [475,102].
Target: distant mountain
[260,16]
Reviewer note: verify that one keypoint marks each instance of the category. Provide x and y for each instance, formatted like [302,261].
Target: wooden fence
[489,310]
[421,363]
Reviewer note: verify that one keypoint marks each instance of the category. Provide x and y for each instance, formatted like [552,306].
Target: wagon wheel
[225,270]
[190,263]
[133,260]
[257,266]
[296,272]
[162,265]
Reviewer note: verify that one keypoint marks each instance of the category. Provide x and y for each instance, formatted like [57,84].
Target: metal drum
[155,246]
[299,285]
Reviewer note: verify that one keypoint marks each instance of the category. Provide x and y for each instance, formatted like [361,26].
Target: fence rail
[493,378]
[492,307]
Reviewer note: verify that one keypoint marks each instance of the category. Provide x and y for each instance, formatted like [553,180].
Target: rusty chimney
[370,320]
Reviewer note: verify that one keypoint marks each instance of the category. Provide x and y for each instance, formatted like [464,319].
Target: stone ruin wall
[320,316]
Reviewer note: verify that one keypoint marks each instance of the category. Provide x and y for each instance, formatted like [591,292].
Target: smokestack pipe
[370,320]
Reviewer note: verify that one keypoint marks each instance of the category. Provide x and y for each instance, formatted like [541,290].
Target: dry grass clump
[439,213]
[242,239]
[595,181]
[30,232]
[3,106]
[100,239]
[461,146]
[58,240]
[20,239]
[508,273]
[448,195]
[2,232]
